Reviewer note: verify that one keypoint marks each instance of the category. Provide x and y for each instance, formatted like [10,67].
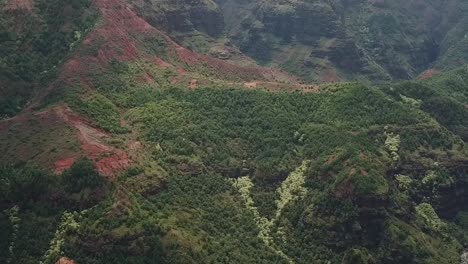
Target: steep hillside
[47,51]
[142,132]
[346,174]
[182,15]
[318,41]
[35,36]
[118,49]
[326,40]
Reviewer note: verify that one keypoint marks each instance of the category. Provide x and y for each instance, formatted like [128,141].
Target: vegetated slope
[35,36]
[200,170]
[68,42]
[326,40]
[85,58]
[93,62]
[350,174]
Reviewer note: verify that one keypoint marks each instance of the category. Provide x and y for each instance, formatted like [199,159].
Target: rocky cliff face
[374,38]
[182,15]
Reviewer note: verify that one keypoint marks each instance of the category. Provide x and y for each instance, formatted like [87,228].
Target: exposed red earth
[109,160]
[63,164]
[115,37]
[193,84]
[64,260]
[427,74]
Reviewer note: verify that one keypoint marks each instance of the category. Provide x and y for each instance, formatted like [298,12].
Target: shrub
[23,185]
[82,175]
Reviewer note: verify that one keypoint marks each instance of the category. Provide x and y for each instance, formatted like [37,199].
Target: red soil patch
[64,260]
[250,85]
[115,39]
[161,63]
[365,173]
[181,71]
[187,56]
[19,5]
[193,84]
[115,163]
[120,23]
[427,74]
[109,161]
[63,164]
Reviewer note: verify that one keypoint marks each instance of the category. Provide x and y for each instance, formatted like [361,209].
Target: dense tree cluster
[352,174]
